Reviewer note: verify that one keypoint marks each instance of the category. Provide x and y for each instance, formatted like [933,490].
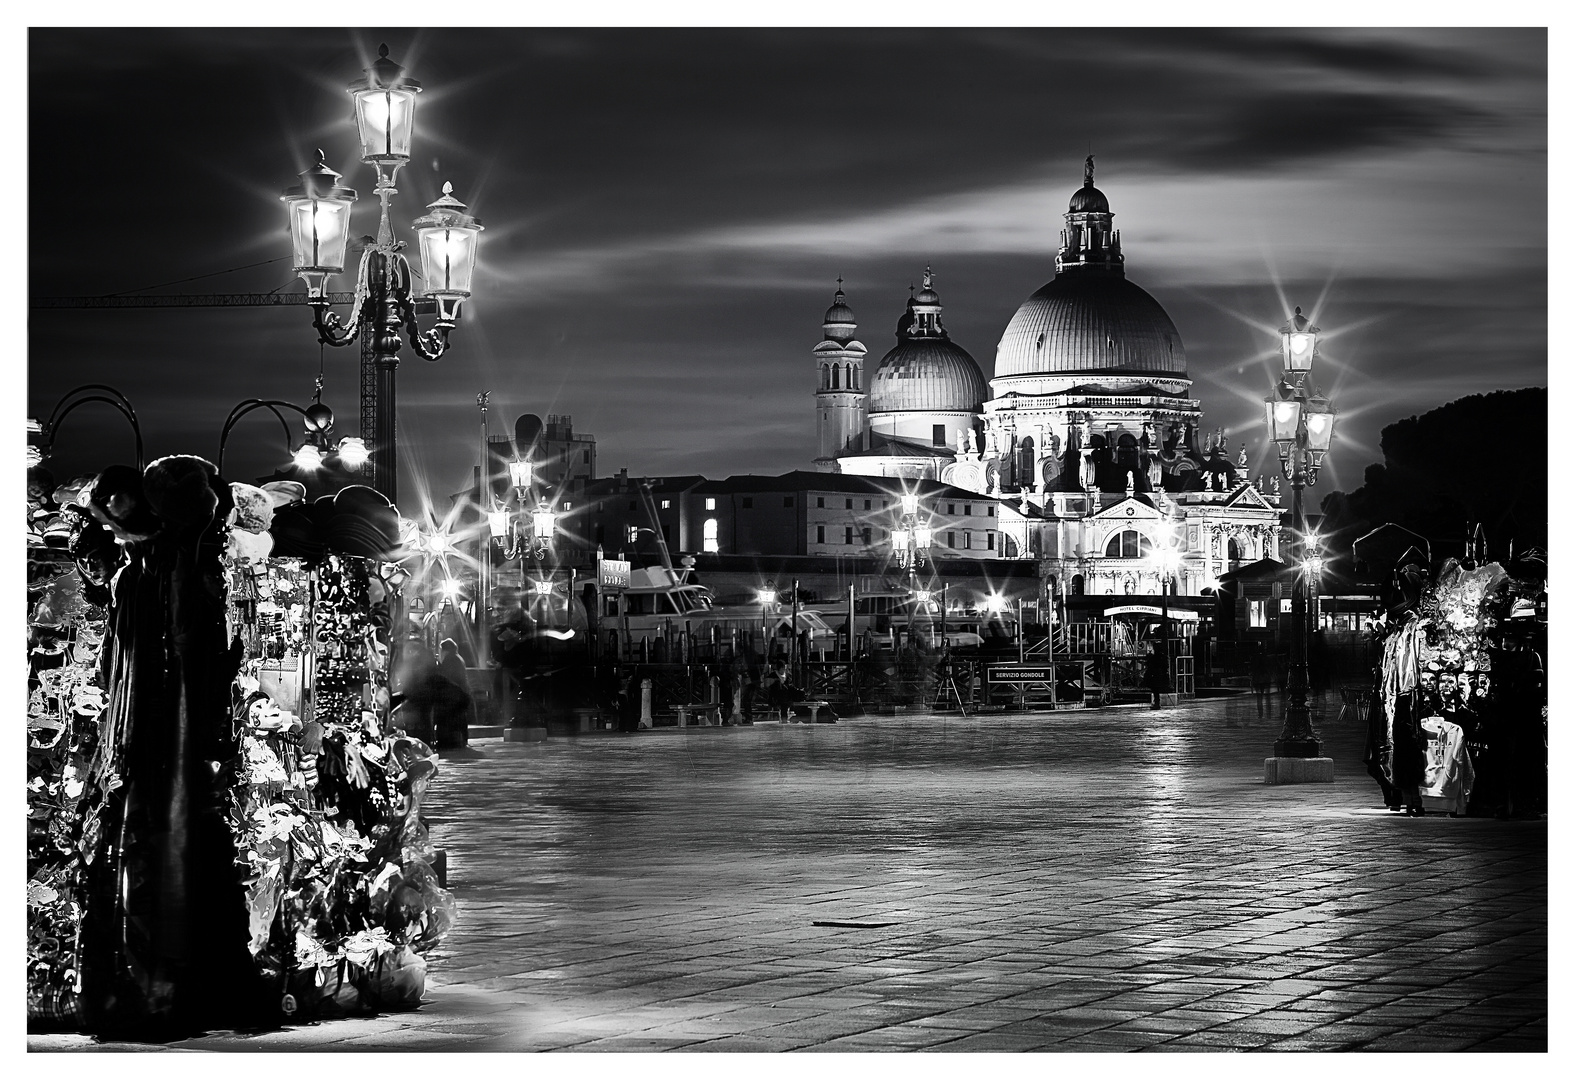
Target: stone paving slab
[1103,880]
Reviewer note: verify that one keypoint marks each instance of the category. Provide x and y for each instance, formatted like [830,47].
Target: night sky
[667,212]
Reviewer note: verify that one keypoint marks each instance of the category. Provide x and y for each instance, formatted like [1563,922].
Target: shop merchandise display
[207,712]
[1459,720]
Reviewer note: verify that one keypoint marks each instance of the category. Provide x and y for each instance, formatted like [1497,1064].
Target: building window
[710,533]
[820,534]
[850,504]
[951,508]
[989,511]
[967,539]
[847,535]
[989,541]
[951,539]
[938,434]
[1128,544]
[1257,614]
[967,510]
[667,504]
[820,502]
[749,502]
[567,505]
[787,500]
[632,533]
[866,504]
[585,458]
[710,504]
[866,536]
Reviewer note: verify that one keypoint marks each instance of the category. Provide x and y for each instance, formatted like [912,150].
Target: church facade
[1087,437]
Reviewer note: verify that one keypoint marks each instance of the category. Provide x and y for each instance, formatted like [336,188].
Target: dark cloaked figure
[451,702]
[164,934]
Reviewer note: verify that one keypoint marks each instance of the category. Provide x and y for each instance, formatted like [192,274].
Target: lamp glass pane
[319,231]
[1299,349]
[910,504]
[544,523]
[384,120]
[923,538]
[520,473]
[1320,428]
[448,255]
[1284,417]
[899,538]
[498,522]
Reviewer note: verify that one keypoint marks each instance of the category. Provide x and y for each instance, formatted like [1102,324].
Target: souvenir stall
[317,889]
[1459,714]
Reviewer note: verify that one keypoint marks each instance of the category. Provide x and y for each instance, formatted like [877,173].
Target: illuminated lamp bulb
[353,452]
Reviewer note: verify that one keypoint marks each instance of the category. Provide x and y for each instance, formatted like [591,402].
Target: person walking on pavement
[453,709]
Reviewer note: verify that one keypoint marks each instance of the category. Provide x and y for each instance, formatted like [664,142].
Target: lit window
[967,539]
[667,504]
[632,532]
[710,532]
[710,504]
[1257,614]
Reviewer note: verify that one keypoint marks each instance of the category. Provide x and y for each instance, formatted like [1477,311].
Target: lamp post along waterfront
[1301,423]
[319,224]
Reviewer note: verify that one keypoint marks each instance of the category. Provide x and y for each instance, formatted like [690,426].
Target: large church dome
[1090,319]
[926,371]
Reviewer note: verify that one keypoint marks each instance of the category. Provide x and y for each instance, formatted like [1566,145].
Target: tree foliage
[1482,458]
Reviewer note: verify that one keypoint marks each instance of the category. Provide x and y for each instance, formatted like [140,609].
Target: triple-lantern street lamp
[1301,423]
[319,216]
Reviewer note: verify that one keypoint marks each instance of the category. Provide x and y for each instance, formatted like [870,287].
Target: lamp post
[768,603]
[1301,423]
[317,447]
[1165,560]
[319,216]
[911,541]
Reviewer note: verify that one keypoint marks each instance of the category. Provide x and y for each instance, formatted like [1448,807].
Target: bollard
[645,703]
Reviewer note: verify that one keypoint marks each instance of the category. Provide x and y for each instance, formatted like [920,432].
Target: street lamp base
[1298,748]
[1298,770]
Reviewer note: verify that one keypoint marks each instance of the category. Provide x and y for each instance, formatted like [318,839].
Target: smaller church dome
[1088,200]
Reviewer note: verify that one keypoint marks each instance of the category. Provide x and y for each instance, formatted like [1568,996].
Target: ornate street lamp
[1301,423]
[1166,559]
[68,403]
[317,448]
[319,215]
[912,538]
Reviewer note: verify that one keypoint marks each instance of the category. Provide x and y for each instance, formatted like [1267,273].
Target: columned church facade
[1087,437]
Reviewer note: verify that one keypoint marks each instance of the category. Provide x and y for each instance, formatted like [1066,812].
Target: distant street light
[1301,423]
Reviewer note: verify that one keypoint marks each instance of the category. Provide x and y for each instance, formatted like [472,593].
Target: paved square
[1092,880]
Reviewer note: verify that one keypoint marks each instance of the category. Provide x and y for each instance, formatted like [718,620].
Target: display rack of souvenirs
[1460,712]
[333,872]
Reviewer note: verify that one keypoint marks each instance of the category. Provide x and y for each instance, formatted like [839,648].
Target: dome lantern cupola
[926,370]
[1090,240]
[839,323]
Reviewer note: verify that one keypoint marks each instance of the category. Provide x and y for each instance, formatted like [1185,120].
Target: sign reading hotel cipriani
[613,573]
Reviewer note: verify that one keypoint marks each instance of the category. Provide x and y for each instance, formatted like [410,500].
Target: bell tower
[841,398]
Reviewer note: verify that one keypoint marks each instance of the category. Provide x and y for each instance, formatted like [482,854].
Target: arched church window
[1025,462]
[1128,544]
[836,376]
[853,373]
[1233,550]
[825,376]
[1077,584]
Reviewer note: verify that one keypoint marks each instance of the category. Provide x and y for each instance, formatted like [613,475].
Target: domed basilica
[1087,436]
